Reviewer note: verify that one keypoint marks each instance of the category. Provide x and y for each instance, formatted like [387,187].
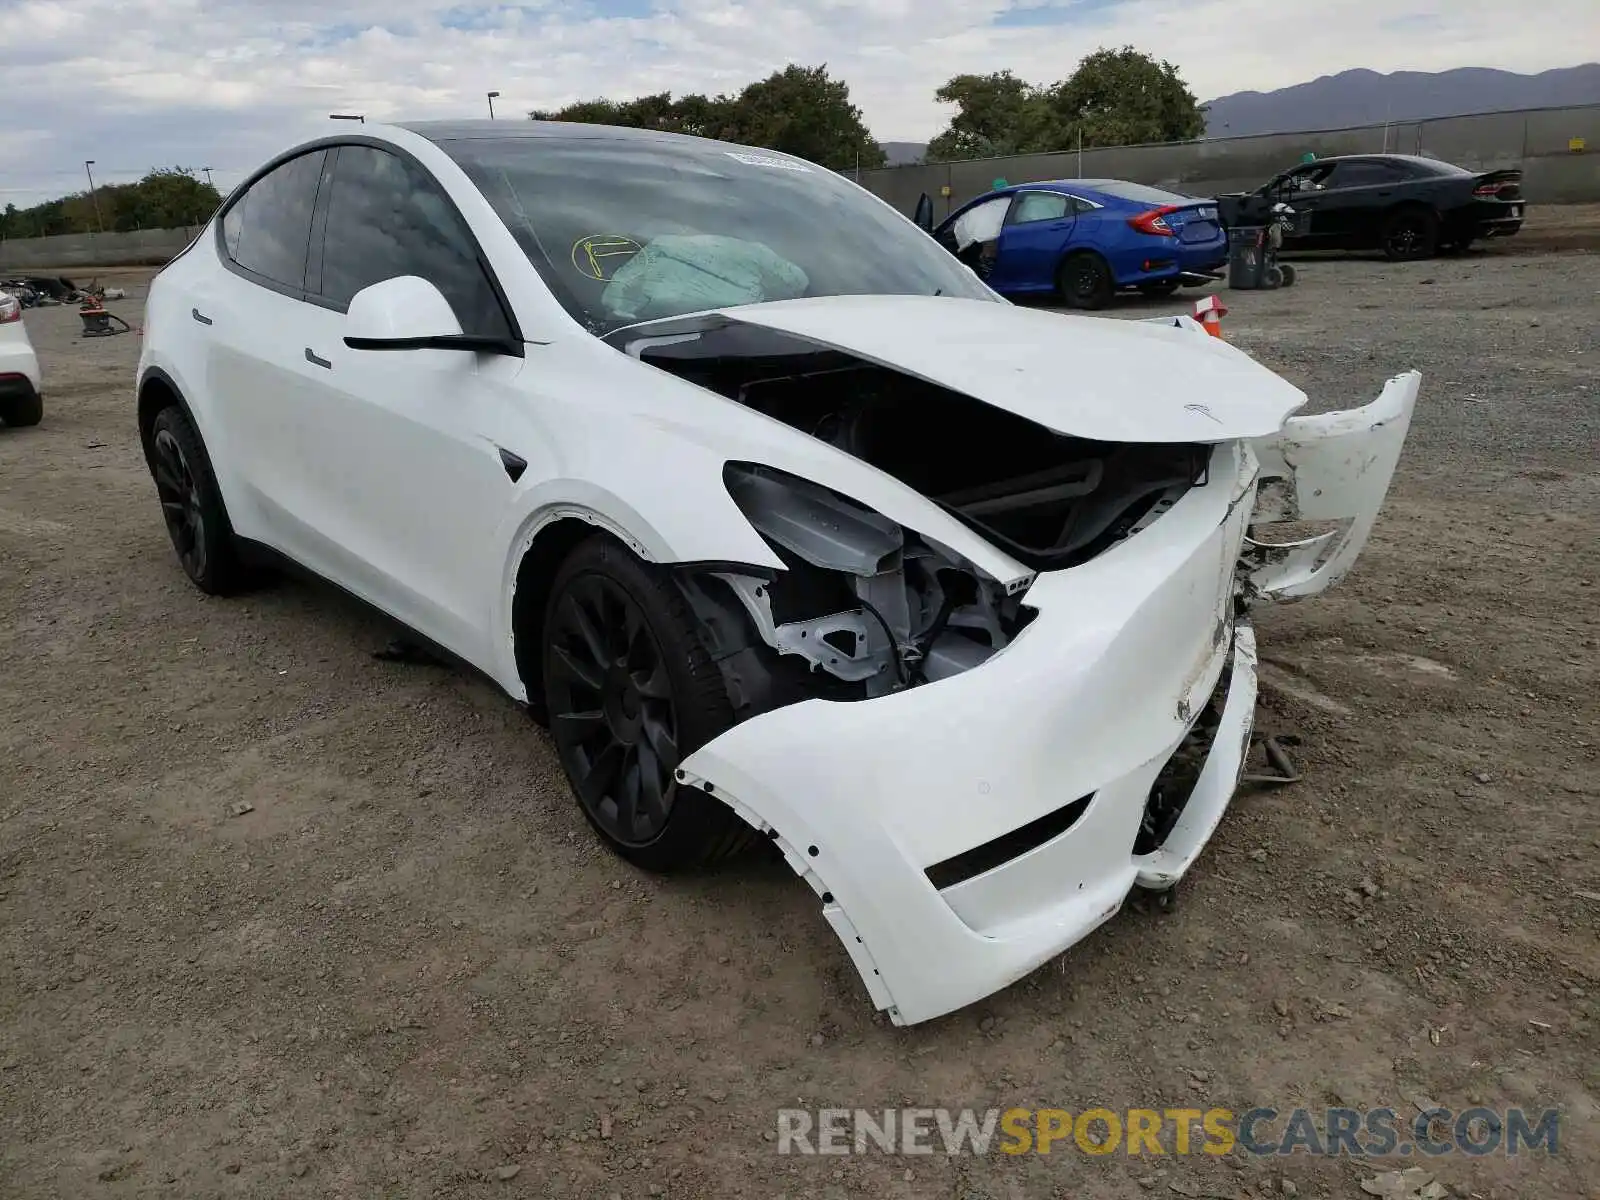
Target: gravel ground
[408,970]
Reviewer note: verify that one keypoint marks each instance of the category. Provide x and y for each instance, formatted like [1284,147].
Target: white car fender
[1333,466]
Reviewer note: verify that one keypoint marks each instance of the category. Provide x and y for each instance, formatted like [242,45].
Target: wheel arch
[158,390]
[535,573]
[1411,204]
[1072,252]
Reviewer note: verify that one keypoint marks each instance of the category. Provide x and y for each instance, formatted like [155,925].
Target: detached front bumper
[963,833]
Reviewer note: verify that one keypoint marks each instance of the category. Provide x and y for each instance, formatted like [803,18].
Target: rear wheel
[22,410]
[1160,288]
[1084,281]
[1411,234]
[631,692]
[191,505]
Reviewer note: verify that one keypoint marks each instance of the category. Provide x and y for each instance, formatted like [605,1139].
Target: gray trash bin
[1247,257]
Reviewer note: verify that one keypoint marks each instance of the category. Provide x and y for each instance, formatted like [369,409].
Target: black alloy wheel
[611,709]
[1411,234]
[181,503]
[1084,281]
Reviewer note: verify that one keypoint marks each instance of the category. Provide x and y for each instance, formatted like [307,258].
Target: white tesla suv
[785,524]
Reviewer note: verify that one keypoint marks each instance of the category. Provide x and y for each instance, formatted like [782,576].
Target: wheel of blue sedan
[1084,281]
[631,692]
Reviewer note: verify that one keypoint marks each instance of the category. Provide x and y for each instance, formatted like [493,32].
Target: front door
[411,470]
[1036,232]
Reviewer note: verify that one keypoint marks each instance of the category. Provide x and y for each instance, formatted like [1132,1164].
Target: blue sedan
[1082,240]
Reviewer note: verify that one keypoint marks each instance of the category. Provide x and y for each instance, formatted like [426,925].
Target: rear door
[1037,228]
[255,322]
[1357,197]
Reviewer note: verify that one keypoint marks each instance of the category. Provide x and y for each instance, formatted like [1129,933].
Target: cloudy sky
[224,83]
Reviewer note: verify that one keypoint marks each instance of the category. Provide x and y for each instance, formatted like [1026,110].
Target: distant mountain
[904,153]
[1364,97]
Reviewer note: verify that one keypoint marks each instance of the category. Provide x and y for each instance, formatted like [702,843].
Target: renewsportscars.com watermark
[1360,1133]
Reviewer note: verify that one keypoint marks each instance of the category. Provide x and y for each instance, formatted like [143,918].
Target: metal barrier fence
[1540,141]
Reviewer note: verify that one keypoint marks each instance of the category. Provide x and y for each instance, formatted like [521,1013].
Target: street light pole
[207,170]
[93,198]
[492,95]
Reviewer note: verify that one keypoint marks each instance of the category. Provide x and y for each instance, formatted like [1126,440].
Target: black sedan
[1406,206]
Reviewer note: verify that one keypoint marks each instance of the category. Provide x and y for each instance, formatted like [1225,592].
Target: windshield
[627,229]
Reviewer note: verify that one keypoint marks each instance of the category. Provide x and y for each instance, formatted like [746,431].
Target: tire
[191,505]
[1084,281]
[22,410]
[1160,289]
[1411,234]
[1289,274]
[631,692]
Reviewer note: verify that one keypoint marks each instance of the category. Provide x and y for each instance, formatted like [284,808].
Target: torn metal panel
[1331,466]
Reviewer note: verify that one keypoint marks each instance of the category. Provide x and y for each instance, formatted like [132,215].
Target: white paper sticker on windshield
[766,160]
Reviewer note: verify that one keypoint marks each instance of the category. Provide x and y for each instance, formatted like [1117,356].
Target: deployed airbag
[679,273]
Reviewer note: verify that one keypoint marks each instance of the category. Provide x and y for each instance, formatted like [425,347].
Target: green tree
[799,110]
[995,114]
[166,198]
[1123,98]
[1114,98]
[804,112]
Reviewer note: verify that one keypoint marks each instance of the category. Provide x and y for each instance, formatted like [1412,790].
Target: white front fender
[1330,467]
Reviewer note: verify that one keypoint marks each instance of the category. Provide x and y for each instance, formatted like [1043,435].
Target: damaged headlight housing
[861,599]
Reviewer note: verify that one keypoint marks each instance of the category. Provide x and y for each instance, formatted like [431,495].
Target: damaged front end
[973,769]
[867,605]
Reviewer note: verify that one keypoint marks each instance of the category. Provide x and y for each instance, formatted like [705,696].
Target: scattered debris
[1411,1184]
[240,807]
[1259,854]
[509,1171]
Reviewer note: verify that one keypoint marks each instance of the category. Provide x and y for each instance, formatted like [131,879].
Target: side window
[388,218]
[1081,206]
[1309,178]
[1363,174]
[1039,206]
[266,232]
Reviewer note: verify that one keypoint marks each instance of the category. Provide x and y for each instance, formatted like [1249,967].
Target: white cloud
[224,83]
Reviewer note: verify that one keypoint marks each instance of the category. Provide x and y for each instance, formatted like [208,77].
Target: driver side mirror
[409,313]
[924,216]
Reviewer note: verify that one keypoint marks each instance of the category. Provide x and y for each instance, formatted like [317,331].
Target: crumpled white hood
[1089,377]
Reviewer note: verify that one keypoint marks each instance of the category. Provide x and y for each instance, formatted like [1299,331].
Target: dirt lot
[409,968]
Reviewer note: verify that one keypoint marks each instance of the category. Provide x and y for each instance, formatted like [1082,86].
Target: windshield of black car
[626,229]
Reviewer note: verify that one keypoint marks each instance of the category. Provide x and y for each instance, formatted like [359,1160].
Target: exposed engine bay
[865,605]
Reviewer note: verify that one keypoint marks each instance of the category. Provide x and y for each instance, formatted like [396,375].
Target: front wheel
[1084,281]
[631,692]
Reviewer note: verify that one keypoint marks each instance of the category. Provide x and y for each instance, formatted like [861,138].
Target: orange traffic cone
[1209,311]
